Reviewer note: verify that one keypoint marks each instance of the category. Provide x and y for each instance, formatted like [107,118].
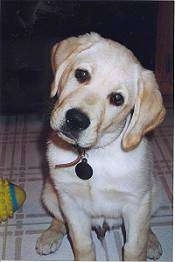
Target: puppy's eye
[82,75]
[116,99]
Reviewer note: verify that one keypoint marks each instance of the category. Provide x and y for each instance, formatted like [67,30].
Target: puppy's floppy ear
[148,111]
[63,53]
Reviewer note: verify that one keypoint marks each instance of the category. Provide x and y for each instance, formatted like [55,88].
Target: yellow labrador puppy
[101,165]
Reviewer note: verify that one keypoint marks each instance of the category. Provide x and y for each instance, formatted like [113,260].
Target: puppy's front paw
[49,242]
[154,250]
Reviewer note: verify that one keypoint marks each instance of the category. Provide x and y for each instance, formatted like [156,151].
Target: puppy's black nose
[76,120]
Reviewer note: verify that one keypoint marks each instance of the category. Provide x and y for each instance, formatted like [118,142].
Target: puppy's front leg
[136,221]
[79,226]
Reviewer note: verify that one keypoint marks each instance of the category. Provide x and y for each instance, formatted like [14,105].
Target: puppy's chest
[116,178]
[109,181]
[104,192]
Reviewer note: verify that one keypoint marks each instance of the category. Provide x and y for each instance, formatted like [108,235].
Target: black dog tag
[84,170]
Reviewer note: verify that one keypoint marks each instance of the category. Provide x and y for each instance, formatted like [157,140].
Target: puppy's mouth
[67,135]
[71,138]
[75,122]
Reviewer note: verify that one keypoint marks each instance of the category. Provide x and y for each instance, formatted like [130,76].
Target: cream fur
[123,184]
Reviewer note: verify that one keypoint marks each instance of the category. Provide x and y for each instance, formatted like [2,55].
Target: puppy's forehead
[105,58]
[108,51]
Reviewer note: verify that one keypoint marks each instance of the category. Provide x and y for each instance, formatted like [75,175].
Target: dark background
[30,28]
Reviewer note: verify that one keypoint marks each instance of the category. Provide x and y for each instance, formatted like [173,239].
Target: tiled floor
[21,160]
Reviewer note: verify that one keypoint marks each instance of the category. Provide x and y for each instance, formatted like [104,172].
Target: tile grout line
[23,143]
[13,149]
[169,193]
[166,142]
[4,241]
[4,145]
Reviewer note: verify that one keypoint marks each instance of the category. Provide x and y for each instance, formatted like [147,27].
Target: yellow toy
[11,198]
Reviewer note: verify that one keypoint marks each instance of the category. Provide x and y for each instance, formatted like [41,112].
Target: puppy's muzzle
[75,122]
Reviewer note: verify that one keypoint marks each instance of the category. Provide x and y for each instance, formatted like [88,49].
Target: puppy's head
[98,83]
